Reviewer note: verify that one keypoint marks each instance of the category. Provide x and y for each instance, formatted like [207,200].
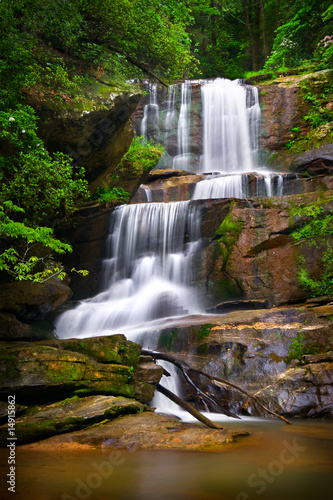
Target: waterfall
[150,247]
[225,186]
[254,120]
[150,120]
[171,115]
[182,160]
[147,272]
[226,131]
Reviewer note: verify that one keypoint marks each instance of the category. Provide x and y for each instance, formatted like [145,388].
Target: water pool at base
[276,462]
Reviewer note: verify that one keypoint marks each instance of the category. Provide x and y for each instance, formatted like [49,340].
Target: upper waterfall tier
[229,143]
[205,126]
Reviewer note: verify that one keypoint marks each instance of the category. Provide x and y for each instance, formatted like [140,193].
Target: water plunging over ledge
[231,114]
[146,273]
[150,248]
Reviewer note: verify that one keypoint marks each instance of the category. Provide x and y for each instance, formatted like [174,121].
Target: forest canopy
[173,39]
[49,50]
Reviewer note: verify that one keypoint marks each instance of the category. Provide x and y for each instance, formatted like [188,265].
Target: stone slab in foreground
[142,431]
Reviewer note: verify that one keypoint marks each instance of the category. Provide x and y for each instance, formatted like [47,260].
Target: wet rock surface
[50,371]
[41,422]
[251,255]
[263,352]
[143,431]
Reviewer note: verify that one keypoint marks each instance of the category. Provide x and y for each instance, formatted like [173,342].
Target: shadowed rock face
[96,140]
[252,349]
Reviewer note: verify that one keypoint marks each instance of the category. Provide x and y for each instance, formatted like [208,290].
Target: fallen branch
[185,369]
[222,381]
[187,407]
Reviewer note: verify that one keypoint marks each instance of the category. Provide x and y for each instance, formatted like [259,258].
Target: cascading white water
[254,120]
[171,115]
[146,274]
[150,246]
[226,133]
[150,111]
[182,160]
[225,186]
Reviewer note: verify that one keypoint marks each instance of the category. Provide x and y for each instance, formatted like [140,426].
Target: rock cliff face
[284,106]
[263,352]
[95,136]
[251,253]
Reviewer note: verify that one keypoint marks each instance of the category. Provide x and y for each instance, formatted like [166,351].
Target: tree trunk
[264,30]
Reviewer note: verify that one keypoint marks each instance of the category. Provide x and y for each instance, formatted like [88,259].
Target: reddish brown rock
[144,431]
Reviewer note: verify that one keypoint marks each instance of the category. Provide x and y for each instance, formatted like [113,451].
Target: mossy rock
[112,349]
[36,372]
[69,415]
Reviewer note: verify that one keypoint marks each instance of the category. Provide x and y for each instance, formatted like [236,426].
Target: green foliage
[296,39]
[299,347]
[319,114]
[204,331]
[35,188]
[318,227]
[111,195]
[227,234]
[18,260]
[294,133]
[141,157]
[45,186]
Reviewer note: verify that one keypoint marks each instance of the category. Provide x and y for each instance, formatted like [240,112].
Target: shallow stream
[275,462]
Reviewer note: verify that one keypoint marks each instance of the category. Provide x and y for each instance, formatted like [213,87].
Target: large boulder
[96,132]
[29,301]
[69,415]
[51,369]
[303,390]
[143,431]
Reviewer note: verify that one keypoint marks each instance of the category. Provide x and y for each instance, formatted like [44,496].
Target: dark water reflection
[277,462]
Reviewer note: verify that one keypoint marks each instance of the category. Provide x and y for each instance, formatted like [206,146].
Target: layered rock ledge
[63,385]
[143,431]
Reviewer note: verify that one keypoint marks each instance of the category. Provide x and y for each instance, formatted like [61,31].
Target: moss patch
[8,366]
[227,235]
[112,349]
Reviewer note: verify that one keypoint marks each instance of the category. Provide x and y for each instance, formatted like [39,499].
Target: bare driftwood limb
[186,369]
[187,407]
[226,382]
[203,395]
